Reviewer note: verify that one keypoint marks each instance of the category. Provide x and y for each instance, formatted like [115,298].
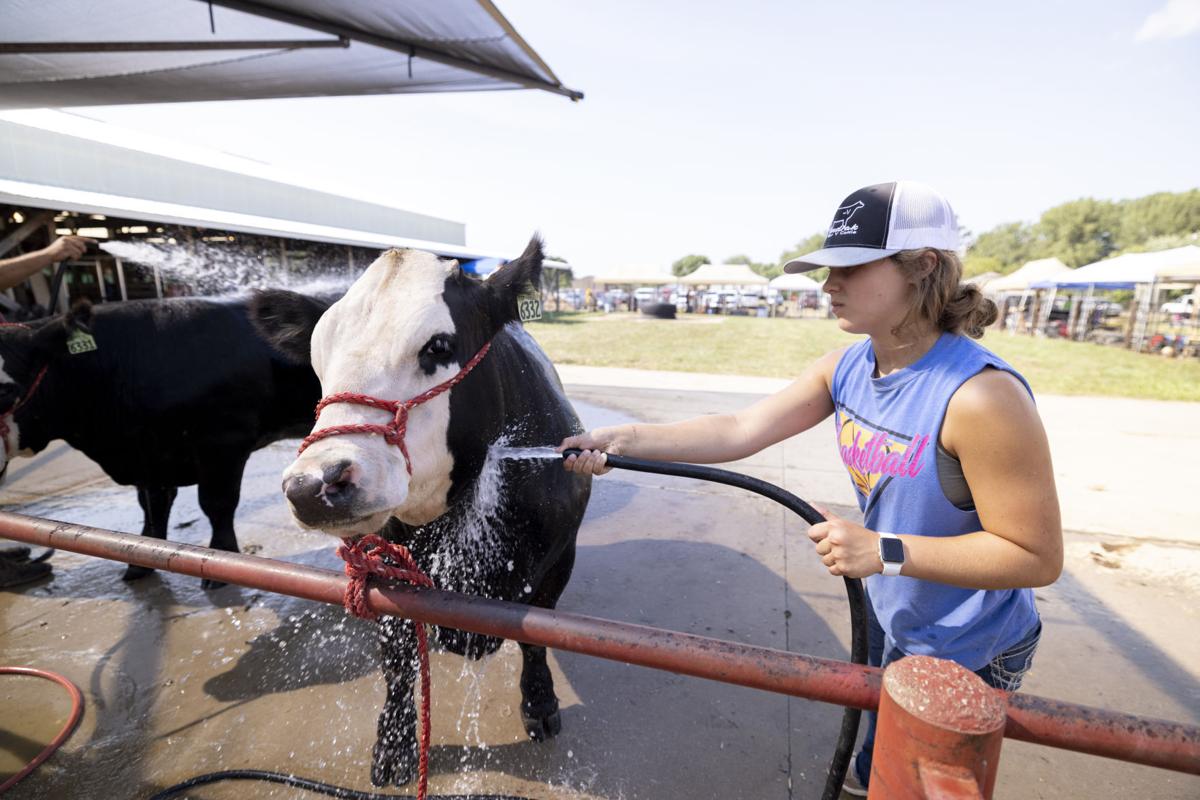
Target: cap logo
[841,220]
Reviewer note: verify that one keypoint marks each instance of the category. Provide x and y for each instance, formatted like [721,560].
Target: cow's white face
[378,341]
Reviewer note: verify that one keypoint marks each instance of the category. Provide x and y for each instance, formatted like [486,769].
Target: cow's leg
[156,512]
[539,704]
[219,490]
[395,759]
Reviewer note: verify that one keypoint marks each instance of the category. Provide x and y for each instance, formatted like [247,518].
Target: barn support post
[120,268]
[158,281]
[1125,737]
[100,282]
[938,733]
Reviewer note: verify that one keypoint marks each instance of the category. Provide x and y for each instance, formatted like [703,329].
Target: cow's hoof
[392,766]
[542,728]
[133,572]
[209,583]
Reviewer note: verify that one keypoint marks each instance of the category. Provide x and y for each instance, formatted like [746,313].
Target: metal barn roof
[83,53]
[61,161]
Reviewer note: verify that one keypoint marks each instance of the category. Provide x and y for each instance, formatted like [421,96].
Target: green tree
[687,265]
[1003,248]
[1080,232]
[1165,214]
[804,247]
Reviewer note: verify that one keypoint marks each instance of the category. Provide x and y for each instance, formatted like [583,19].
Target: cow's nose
[329,499]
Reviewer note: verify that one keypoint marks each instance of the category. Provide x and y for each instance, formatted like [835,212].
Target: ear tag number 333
[80,342]
[529,307]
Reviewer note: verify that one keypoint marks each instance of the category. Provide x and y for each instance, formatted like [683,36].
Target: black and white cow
[173,393]
[474,522]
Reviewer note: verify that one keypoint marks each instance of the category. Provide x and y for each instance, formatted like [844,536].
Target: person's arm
[715,438]
[992,427]
[65,248]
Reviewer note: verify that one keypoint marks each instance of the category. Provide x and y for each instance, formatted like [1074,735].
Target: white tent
[723,275]
[79,52]
[983,279]
[1030,273]
[1128,270]
[794,283]
[1181,263]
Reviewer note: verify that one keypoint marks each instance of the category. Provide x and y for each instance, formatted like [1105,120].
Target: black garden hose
[309,785]
[854,590]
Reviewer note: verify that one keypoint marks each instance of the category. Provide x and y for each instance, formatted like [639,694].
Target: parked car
[645,295]
[1183,307]
[722,301]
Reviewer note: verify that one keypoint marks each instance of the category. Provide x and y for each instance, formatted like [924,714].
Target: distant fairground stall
[1144,301]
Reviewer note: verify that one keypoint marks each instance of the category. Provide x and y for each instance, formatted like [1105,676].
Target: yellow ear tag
[529,307]
[80,342]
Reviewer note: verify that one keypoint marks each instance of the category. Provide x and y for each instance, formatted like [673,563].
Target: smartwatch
[891,553]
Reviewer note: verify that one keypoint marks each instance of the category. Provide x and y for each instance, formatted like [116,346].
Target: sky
[737,128]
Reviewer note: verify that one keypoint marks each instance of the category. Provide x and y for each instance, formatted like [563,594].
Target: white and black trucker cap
[881,220]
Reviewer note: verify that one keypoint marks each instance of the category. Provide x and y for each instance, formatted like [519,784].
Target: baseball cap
[881,220]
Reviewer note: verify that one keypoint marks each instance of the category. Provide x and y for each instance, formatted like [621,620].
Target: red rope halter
[393,432]
[6,416]
[364,558]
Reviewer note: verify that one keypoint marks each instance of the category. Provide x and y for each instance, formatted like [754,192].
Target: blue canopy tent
[1140,272]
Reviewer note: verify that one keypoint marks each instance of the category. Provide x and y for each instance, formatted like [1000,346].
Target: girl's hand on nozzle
[593,459]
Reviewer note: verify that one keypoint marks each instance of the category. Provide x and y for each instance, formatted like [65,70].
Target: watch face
[891,550]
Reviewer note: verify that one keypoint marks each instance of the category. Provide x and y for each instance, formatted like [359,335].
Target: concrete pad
[179,681]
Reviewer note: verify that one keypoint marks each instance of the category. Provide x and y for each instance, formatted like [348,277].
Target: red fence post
[939,732]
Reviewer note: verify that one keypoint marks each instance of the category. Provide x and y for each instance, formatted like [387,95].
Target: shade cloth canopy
[1030,273]
[1180,263]
[794,282]
[1128,270]
[723,274]
[83,53]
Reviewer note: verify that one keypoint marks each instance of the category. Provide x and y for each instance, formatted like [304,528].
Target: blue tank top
[887,433]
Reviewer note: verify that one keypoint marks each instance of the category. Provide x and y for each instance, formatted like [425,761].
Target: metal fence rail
[1069,726]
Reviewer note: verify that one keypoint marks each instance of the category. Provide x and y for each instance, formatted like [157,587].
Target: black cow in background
[474,520]
[160,394]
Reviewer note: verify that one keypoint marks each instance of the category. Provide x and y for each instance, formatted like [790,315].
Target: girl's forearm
[709,439]
[979,560]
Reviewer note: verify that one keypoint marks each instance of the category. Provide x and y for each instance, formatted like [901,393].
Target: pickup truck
[1184,306]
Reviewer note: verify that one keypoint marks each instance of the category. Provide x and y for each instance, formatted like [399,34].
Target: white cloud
[1176,19]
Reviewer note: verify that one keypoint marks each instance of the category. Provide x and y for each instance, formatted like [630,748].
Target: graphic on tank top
[876,456]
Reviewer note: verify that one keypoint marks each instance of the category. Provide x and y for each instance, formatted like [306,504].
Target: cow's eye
[439,350]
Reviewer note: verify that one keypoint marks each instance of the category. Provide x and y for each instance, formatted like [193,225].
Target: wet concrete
[180,681]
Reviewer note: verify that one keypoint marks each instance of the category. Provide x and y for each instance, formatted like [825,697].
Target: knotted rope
[374,555]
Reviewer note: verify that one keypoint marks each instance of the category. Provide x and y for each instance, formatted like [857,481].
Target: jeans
[1005,671]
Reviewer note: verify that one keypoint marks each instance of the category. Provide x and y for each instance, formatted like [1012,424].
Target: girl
[941,439]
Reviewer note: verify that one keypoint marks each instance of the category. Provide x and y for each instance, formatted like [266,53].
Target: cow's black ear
[286,321]
[522,275]
[80,316]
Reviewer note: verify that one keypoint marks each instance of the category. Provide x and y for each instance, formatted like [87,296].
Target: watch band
[891,566]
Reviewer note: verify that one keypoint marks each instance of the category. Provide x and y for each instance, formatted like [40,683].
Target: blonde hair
[941,298]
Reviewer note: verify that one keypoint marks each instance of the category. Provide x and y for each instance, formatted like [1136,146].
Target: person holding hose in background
[15,566]
[941,438]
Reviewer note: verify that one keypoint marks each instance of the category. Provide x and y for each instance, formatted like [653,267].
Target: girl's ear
[521,276]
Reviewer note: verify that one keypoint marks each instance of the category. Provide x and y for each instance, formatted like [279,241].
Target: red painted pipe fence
[1142,740]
